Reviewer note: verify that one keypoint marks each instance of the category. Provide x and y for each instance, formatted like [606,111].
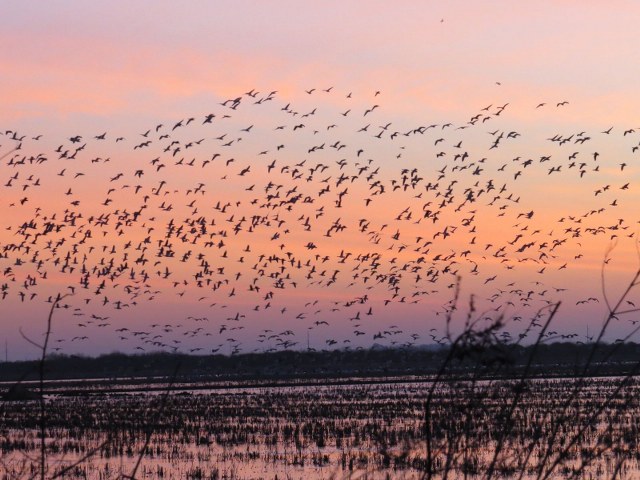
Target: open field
[557,429]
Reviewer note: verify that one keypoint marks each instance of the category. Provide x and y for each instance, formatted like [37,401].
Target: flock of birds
[263,225]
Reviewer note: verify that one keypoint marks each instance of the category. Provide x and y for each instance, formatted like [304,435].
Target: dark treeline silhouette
[556,359]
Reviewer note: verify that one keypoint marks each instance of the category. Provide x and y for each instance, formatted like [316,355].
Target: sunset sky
[551,82]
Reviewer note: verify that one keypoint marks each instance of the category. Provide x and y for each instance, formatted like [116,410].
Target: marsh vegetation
[367,431]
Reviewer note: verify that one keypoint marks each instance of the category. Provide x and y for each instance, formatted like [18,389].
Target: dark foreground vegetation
[374,431]
[556,359]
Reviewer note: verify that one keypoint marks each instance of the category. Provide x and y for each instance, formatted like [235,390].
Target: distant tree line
[557,359]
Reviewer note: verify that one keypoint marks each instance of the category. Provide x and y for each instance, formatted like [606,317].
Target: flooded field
[499,429]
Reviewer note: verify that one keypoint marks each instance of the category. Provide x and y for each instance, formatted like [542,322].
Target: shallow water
[335,431]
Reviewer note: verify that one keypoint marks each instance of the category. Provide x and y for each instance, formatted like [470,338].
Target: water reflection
[334,431]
